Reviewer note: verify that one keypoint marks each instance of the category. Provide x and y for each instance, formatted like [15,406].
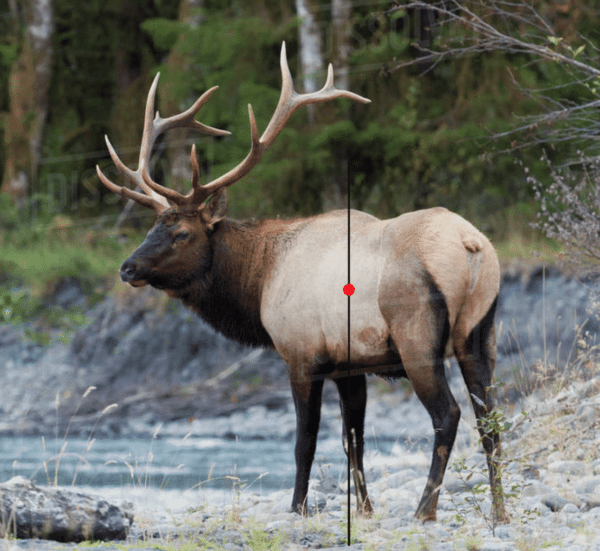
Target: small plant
[495,422]
[260,539]
[569,209]
[353,529]
[473,543]
[41,338]
[15,306]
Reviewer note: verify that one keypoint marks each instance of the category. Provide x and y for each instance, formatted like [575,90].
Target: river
[213,465]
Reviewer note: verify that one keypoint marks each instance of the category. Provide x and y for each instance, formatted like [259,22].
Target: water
[168,463]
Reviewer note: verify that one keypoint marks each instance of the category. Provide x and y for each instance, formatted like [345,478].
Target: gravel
[552,474]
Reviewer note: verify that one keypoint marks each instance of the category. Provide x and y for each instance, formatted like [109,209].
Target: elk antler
[157,197]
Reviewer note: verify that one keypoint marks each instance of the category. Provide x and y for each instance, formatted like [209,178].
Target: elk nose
[128,270]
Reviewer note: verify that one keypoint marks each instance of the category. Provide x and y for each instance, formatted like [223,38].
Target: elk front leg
[307,399]
[353,401]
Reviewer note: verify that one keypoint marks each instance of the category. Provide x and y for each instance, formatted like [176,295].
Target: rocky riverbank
[160,364]
[551,475]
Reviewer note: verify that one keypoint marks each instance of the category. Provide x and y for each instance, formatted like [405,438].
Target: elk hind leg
[476,356]
[445,416]
[421,341]
[353,401]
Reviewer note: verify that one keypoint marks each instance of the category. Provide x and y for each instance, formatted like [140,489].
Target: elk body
[426,287]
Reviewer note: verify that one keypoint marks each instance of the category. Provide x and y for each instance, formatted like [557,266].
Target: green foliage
[19,306]
[99,48]
[15,306]
[41,247]
[10,214]
[45,261]
[164,32]
[424,140]
[8,54]
[261,540]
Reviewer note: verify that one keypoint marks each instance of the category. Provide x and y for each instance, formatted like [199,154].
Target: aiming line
[348,436]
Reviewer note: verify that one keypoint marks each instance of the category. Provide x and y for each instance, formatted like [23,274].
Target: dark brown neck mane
[228,296]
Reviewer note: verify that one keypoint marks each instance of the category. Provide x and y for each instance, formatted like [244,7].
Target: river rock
[31,511]
[567,467]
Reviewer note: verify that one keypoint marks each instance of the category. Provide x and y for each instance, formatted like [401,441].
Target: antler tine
[289,102]
[154,128]
[140,198]
[235,174]
[157,197]
[157,202]
[186,119]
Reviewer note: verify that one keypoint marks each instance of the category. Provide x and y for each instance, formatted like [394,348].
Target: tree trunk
[179,140]
[311,60]
[340,16]
[29,82]
[335,195]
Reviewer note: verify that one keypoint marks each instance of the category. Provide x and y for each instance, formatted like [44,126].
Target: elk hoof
[426,517]
[501,517]
[366,509]
[308,510]
[299,510]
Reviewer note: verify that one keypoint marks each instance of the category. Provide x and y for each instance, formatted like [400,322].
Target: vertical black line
[348,436]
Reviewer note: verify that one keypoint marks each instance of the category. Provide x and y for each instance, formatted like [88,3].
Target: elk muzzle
[142,264]
[131,273]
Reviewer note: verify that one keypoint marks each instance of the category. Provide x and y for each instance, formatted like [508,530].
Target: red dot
[349,289]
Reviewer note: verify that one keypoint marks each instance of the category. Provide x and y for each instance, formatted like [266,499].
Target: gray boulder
[30,511]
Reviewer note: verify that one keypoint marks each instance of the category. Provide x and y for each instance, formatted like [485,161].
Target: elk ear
[216,209]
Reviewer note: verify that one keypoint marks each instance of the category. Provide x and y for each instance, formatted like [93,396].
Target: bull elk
[426,287]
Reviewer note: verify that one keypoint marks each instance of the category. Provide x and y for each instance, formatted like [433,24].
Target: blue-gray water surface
[166,462]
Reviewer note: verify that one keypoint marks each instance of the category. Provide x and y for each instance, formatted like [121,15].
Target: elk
[426,287]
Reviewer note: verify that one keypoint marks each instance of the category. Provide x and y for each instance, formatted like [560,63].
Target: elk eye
[181,236]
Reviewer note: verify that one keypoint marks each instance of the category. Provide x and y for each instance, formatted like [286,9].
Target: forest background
[435,133]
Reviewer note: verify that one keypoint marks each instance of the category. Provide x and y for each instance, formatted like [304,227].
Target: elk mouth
[138,282]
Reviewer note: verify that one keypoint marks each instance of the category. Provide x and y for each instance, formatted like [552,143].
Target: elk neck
[243,255]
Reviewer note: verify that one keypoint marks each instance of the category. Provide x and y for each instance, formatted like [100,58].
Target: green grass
[42,263]
[34,260]
[46,257]
[527,249]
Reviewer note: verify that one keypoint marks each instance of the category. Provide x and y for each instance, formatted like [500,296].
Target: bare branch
[473,27]
[487,38]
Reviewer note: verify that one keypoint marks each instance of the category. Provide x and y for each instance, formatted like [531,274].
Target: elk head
[177,249]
